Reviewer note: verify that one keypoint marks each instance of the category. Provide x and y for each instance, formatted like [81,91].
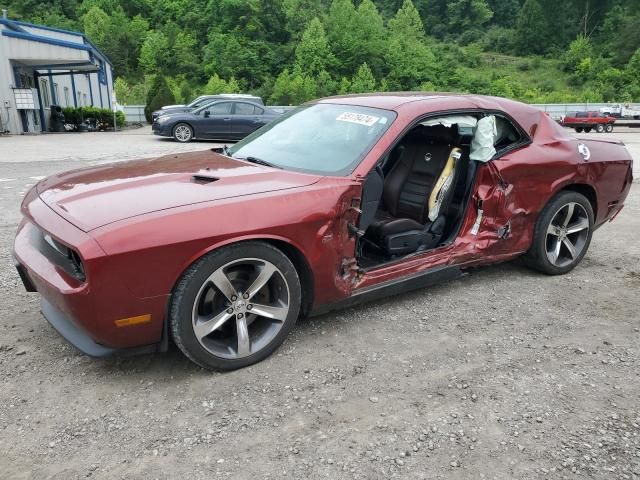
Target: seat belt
[443,184]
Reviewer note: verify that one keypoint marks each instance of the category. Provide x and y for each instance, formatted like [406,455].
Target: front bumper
[72,333]
[164,130]
[85,311]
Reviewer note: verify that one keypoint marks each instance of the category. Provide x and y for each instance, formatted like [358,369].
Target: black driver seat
[423,161]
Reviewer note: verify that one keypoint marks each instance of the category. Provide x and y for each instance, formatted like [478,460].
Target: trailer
[622,111]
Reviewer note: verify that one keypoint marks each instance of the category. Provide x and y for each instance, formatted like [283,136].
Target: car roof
[426,102]
[230,95]
[227,100]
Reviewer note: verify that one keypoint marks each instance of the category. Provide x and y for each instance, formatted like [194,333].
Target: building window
[44,91]
[79,97]
[56,93]
[102,73]
[67,103]
[84,98]
[26,81]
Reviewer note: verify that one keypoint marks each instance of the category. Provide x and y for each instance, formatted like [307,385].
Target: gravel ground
[503,373]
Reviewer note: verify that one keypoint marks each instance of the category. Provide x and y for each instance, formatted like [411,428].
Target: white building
[43,66]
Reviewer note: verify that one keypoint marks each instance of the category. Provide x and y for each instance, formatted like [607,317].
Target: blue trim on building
[62,66]
[43,27]
[54,97]
[109,106]
[50,41]
[17,26]
[91,90]
[43,126]
[97,50]
[73,87]
[12,25]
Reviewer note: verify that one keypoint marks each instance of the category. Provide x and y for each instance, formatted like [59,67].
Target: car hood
[173,111]
[166,107]
[94,197]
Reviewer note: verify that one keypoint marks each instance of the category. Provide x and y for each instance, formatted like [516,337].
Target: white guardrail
[135,113]
[558,110]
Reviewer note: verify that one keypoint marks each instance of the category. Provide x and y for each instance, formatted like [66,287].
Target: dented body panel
[139,225]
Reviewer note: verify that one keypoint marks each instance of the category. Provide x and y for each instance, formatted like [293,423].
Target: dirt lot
[503,374]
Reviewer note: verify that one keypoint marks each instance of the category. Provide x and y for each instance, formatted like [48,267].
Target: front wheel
[562,234]
[600,128]
[609,128]
[587,129]
[578,129]
[183,133]
[235,306]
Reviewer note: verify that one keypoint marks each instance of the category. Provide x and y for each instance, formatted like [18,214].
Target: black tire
[609,128]
[578,129]
[182,133]
[587,129]
[537,258]
[188,289]
[600,128]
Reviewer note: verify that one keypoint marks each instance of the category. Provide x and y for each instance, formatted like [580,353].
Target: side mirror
[206,114]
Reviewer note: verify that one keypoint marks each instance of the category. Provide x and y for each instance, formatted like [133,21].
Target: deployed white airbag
[460,120]
[482,144]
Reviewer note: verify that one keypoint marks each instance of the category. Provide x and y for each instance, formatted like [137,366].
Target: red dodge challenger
[342,200]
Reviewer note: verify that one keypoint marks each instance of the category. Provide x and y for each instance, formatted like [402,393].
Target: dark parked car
[201,101]
[219,120]
[343,200]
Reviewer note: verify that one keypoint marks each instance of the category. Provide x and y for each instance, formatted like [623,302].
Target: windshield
[198,101]
[326,139]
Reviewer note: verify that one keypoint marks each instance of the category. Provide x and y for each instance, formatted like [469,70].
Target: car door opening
[415,198]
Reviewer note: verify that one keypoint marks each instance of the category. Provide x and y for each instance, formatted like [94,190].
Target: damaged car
[343,200]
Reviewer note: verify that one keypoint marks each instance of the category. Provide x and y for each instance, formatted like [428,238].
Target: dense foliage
[99,118]
[289,51]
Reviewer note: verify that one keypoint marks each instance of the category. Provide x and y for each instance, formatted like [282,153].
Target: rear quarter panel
[536,173]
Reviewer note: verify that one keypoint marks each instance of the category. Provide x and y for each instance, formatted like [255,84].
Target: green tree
[341,31]
[408,58]
[356,35]
[363,81]
[298,12]
[159,95]
[118,36]
[468,14]
[370,38]
[292,89]
[153,52]
[579,50]
[530,34]
[217,85]
[313,54]
[505,12]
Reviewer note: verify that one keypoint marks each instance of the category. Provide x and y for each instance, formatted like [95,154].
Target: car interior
[415,198]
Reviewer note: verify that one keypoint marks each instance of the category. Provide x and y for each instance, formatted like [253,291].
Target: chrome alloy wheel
[240,308]
[182,133]
[567,234]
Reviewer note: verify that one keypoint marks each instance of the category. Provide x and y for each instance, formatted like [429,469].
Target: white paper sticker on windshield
[359,118]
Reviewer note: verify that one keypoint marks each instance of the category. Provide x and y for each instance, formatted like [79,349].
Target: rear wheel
[609,128]
[578,129]
[600,128]
[235,306]
[562,234]
[183,133]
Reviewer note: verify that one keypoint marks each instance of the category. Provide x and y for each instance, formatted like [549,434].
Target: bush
[98,118]
[159,95]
